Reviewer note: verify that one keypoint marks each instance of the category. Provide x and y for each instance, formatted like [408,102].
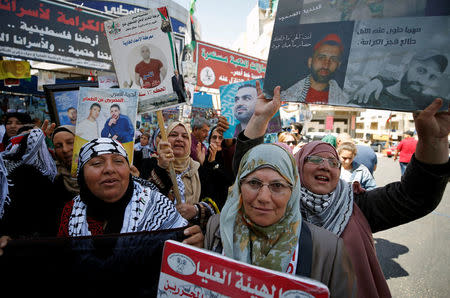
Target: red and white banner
[193,272]
[217,66]
[329,122]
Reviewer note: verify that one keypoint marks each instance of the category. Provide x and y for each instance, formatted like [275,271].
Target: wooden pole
[172,173]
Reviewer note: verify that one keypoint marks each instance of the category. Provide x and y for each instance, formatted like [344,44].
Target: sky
[221,20]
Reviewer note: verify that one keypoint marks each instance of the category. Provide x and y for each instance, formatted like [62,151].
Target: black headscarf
[22,117]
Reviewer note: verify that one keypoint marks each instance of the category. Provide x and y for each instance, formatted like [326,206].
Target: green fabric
[330,139]
[271,247]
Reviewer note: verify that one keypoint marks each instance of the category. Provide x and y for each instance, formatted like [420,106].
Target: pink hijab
[312,148]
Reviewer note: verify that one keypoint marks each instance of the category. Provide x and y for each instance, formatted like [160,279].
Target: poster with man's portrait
[62,101]
[385,54]
[238,104]
[144,57]
[105,113]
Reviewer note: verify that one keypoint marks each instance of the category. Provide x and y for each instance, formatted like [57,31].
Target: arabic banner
[144,58]
[14,69]
[392,55]
[53,32]
[105,113]
[237,102]
[217,66]
[193,272]
[125,265]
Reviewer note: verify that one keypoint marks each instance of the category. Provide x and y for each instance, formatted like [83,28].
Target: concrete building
[374,125]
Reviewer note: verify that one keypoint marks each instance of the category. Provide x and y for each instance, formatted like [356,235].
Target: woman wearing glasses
[288,139]
[260,224]
[354,214]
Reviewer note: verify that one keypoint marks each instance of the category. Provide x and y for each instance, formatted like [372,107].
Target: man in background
[200,130]
[405,149]
[178,86]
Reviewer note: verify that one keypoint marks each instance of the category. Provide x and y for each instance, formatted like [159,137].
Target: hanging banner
[54,32]
[144,57]
[193,272]
[390,55]
[353,123]
[105,113]
[10,69]
[329,123]
[217,66]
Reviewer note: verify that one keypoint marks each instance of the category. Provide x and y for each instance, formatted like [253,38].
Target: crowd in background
[216,189]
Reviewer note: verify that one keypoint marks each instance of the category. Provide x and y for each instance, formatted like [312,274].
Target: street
[415,257]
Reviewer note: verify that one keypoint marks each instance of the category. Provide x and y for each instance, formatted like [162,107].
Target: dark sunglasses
[291,142]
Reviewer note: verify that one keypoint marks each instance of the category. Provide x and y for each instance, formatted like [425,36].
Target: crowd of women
[283,211]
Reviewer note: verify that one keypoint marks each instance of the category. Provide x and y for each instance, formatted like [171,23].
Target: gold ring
[168,155]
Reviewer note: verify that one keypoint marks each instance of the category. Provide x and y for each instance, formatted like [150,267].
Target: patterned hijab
[98,147]
[28,148]
[187,170]
[331,211]
[273,246]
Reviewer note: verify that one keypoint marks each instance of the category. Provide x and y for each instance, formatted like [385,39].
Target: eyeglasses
[291,142]
[317,160]
[276,188]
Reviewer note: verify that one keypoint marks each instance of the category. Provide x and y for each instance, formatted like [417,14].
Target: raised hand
[265,109]
[222,124]
[432,129]
[212,152]
[48,129]
[201,153]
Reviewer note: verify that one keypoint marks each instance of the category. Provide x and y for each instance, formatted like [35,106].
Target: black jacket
[417,194]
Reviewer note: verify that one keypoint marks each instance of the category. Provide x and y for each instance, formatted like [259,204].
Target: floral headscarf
[272,246]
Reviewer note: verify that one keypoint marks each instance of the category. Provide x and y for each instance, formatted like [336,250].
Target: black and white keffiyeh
[99,147]
[36,154]
[330,211]
[148,210]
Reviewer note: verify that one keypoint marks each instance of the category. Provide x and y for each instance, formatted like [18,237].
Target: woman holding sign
[260,224]
[355,214]
[194,206]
